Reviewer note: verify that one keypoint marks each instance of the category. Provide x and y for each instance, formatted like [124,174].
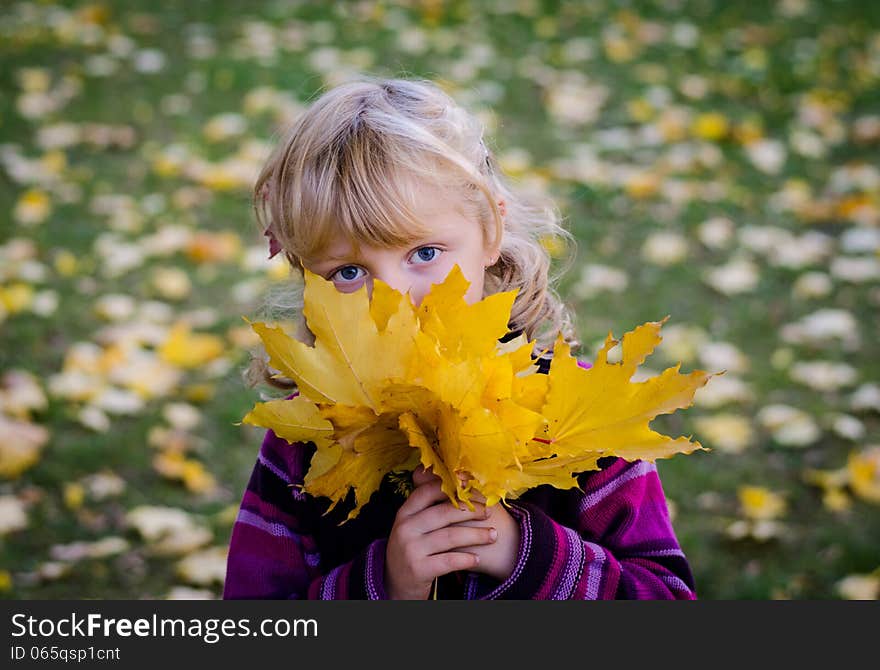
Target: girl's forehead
[399,210]
[439,222]
[338,247]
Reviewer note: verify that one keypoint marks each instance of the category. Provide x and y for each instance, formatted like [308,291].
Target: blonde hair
[349,165]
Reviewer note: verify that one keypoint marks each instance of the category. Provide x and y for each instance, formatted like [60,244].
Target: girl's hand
[499,558]
[428,539]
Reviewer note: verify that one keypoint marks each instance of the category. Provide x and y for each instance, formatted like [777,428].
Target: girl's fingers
[449,538]
[447,514]
[421,498]
[452,561]
[425,495]
[477,497]
[421,476]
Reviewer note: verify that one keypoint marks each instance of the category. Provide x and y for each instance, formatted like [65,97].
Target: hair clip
[274,244]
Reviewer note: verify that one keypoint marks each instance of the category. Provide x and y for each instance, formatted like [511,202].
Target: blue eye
[348,273]
[425,254]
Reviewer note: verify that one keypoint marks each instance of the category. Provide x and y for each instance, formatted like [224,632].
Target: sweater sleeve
[272,555]
[622,546]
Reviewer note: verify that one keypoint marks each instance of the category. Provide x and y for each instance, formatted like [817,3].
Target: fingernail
[493,534]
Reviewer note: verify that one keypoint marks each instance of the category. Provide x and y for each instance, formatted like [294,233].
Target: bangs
[365,191]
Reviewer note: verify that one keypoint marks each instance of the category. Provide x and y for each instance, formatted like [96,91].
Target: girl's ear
[493,253]
[502,208]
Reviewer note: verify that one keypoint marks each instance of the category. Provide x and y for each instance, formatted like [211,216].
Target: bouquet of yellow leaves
[388,386]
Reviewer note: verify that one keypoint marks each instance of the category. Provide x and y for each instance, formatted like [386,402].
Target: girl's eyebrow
[337,257]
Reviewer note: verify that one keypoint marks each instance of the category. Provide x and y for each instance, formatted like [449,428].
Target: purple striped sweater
[610,538]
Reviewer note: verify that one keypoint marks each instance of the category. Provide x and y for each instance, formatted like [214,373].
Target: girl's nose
[396,280]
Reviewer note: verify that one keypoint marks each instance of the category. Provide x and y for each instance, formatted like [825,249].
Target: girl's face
[451,239]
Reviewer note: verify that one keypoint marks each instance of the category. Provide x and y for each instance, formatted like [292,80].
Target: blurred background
[719,163]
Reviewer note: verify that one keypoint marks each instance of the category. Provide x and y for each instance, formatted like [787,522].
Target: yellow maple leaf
[388,385]
[21,445]
[861,474]
[371,453]
[356,348]
[446,317]
[297,419]
[186,349]
[760,503]
[599,410]
[864,473]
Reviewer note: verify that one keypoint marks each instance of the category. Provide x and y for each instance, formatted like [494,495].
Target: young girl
[391,179]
